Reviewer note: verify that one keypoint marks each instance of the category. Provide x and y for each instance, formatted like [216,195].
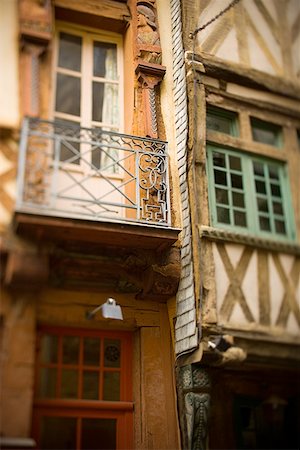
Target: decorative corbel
[149,76]
[35,28]
[149,70]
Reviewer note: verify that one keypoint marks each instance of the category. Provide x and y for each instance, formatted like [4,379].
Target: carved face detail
[146,16]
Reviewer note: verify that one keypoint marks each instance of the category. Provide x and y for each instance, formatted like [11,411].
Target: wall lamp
[109,309]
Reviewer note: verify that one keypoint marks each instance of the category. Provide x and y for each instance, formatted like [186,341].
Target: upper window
[248,192]
[220,120]
[87,84]
[266,132]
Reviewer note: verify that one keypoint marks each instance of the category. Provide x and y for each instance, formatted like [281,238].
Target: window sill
[219,234]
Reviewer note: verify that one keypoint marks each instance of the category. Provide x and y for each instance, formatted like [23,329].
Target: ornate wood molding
[219,234]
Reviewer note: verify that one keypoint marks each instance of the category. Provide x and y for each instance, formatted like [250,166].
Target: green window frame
[249,193]
[222,121]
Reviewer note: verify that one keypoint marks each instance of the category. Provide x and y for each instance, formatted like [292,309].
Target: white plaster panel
[293,9]
[276,290]
[229,48]
[250,287]
[287,262]
[258,59]
[292,325]
[207,14]
[270,7]
[234,252]
[264,29]
[237,317]
[222,282]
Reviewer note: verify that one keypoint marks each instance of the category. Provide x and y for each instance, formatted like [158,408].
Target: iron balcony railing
[92,174]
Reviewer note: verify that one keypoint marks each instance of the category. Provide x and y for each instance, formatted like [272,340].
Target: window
[220,120]
[83,387]
[88,90]
[248,193]
[266,132]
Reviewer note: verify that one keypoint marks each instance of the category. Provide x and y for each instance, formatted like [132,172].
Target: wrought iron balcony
[92,174]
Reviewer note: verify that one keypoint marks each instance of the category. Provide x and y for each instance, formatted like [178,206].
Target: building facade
[238,317]
[89,225]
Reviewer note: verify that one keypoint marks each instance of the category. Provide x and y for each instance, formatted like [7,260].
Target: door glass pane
[280,227]
[69,52]
[111,386]
[68,132]
[105,60]
[91,351]
[68,94]
[112,353]
[47,387]
[90,388]
[69,383]
[105,103]
[58,433]
[98,434]
[70,349]
[49,348]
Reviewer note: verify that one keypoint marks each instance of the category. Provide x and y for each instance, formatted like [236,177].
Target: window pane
[98,434]
[264,224]
[219,159]
[220,177]
[265,132]
[235,163]
[238,199]
[111,386]
[273,173]
[70,349]
[275,189]
[258,169]
[260,187]
[262,204]
[69,383]
[49,348]
[90,385]
[280,227]
[221,196]
[70,52]
[240,218]
[47,387]
[277,208]
[112,353]
[105,60]
[217,122]
[58,433]
[105,103]
[236,181]
[91,351]
[68,94]
[223,215]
